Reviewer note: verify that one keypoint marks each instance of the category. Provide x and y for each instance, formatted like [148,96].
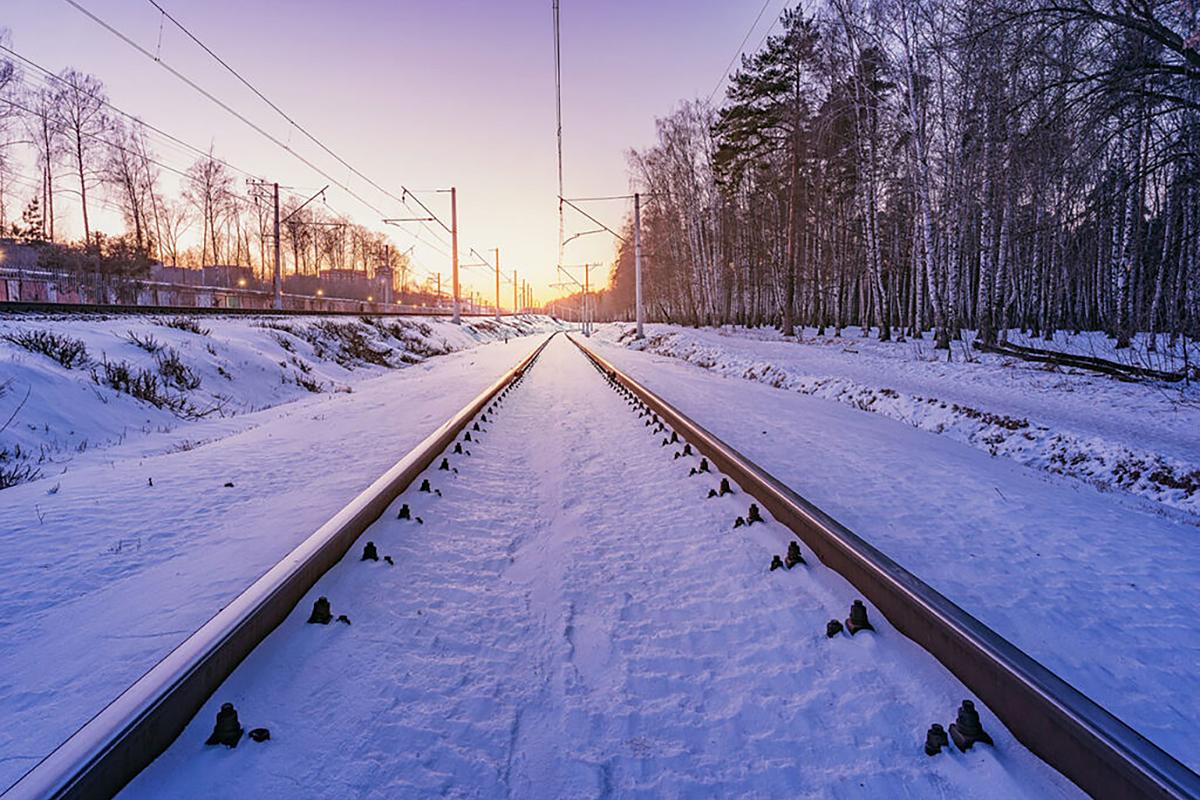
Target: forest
[922,167]
[63,143]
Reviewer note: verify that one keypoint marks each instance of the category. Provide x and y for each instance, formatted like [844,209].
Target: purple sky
[427,94]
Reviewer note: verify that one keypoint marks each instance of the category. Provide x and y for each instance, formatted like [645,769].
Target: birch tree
[79,105]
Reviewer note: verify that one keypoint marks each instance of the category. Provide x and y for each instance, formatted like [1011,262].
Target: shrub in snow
[183,324]
[14,467]
[413,335]
[175,372]
[145,341]
[353,344]
[311,384]
[140,383]
[65,350]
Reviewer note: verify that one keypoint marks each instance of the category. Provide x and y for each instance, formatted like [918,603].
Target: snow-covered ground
[74,385]
[121,553]
[574,619]
[1140,438]
[1101,586]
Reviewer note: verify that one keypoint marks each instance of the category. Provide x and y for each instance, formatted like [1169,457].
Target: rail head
[1072,733]
[131,731]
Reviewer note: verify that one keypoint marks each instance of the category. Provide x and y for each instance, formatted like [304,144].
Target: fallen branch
[20,405]
[1115,369]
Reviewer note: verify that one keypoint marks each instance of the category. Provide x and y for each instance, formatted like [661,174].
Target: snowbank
[70,385]
[1134,437]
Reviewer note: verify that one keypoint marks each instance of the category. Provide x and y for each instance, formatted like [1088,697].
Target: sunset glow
[419,95]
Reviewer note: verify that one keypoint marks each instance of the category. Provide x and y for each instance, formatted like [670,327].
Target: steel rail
[117,743]
[1066,729]
[21,307]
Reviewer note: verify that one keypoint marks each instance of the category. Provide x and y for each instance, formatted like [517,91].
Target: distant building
[229,276]
[385,277]
[15,255]
[352,284]
[179,275]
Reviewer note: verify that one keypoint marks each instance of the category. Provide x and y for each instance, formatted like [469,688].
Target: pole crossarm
[593,219]
[581,234]
[299,208]
[575,280]
[483,262]
[599,199]
[406,193]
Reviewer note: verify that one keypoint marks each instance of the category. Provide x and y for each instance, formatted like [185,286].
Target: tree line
[930,166]
[63,144]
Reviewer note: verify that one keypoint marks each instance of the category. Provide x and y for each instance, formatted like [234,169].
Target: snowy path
[115,572]
[1099,587]
[573,619]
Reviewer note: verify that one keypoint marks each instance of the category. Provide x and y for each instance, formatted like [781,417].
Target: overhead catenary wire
[600,199]
[291,121]
[131,117]
[225,106]
[559,125]
[405,191]
[593,219]
[740,49]
[275,140]
[49,78]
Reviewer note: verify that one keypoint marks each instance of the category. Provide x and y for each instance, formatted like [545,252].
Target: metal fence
[79,288]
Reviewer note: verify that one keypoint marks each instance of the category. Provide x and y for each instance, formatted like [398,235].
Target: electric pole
[389,287]
[515,284]
[454,251]
[278,304]
[637,243]
[637,262]
[497,284]
[586,301]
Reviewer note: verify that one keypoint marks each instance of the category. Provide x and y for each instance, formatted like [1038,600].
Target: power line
[593,219]
[741,48]
[405,191]
[212,98]
[38,184]
[285,115]
[245,120]
[104,141]
[598,199]
[135,119]
[146,157]
[559,129]
[156,58]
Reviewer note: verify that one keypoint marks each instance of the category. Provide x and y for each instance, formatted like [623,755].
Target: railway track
[565,572]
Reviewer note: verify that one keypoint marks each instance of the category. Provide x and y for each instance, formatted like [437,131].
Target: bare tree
[80,107]
[987,165]
[45,131]
[208,189]
[174,220]
[128,172]
[8,112]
